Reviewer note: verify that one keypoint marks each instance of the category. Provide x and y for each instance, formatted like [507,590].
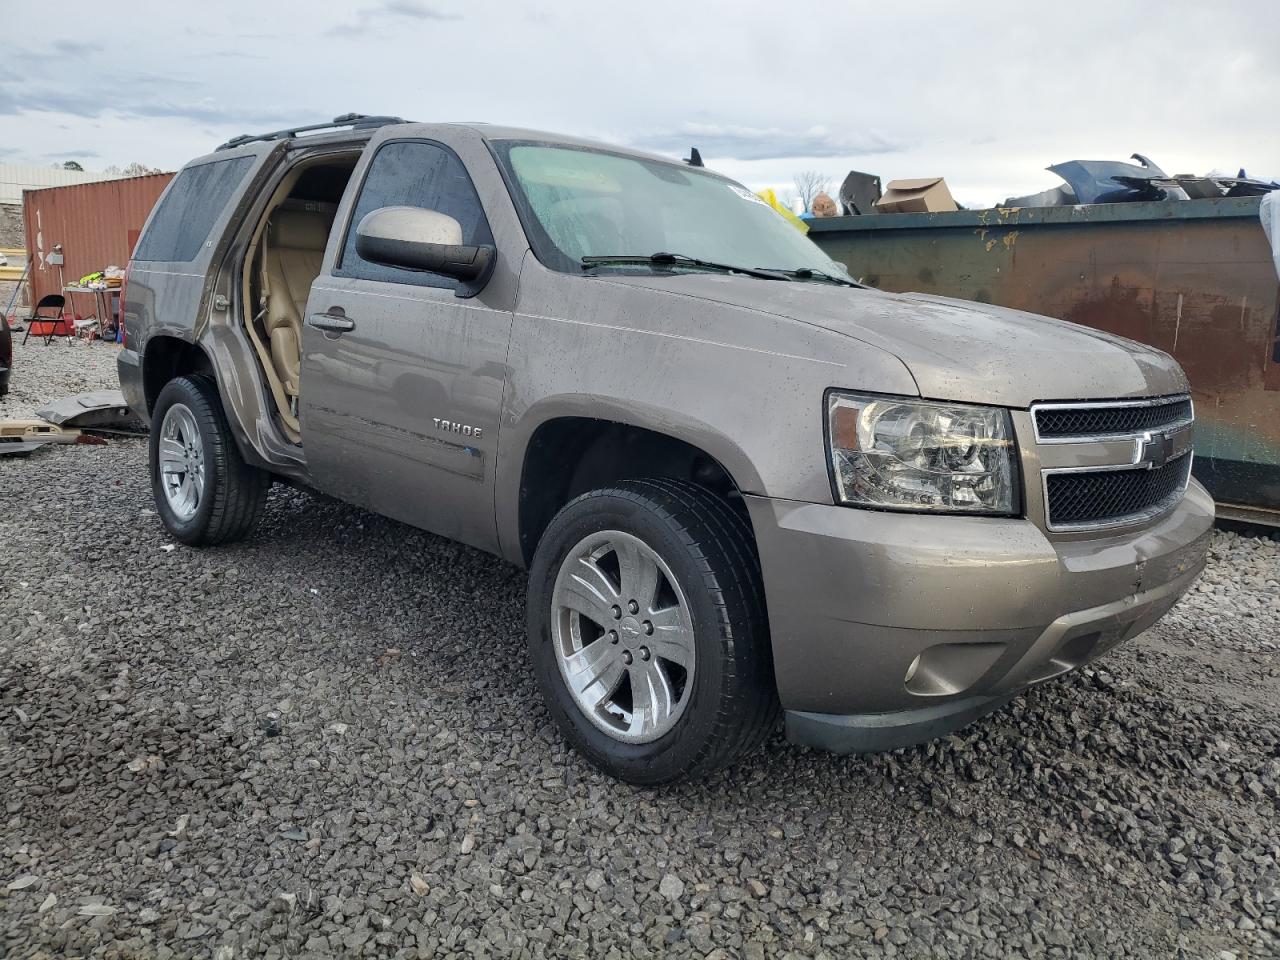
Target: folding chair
[52,301]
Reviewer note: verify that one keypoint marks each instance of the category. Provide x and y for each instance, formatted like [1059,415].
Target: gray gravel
[325,741]
[44,372]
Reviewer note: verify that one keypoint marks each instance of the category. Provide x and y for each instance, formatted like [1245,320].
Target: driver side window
[414,173]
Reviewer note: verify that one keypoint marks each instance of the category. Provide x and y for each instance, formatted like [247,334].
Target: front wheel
[648,632]
[204,491]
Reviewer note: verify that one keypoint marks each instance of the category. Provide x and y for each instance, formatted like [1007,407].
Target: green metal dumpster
[1194,277]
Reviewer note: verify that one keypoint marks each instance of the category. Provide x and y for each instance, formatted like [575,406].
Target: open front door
[402,379]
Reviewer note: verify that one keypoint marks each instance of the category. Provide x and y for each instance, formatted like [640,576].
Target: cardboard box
[927,195]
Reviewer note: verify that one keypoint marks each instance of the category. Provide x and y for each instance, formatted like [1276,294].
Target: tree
[134,169]
[72,165]
[810,183]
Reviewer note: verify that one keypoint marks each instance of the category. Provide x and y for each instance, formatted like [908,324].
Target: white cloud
[987,95]
[382,16]
[733,142]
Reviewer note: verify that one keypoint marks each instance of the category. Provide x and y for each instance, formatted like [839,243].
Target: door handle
[335,321]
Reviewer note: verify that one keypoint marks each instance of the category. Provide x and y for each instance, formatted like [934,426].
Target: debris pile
[1084,181]
[1109,181]
[84,418]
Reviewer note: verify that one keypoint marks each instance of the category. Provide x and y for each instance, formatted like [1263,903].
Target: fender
[514,439]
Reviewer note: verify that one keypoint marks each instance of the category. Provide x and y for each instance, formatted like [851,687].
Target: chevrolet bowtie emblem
[1156,448]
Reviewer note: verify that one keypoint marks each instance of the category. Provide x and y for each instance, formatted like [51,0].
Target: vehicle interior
[283,259]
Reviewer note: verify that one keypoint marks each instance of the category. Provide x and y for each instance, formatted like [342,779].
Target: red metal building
[97,225]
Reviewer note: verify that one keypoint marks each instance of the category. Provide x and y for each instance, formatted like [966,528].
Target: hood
[955,349]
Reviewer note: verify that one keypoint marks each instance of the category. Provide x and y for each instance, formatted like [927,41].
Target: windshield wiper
[808,273]
[680,260]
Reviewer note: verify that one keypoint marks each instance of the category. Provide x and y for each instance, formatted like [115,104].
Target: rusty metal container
[96,223]
[1194,278]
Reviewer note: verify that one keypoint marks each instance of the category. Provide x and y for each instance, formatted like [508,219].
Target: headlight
[916,455]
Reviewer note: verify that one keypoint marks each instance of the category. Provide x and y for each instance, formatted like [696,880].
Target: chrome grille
[1063,422]
[1100,497]
[1127,461]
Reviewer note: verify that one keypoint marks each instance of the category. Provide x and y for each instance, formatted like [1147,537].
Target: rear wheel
[648,633]
[204,491]
[6,354]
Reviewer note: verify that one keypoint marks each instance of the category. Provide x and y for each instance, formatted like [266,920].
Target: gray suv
[742,483]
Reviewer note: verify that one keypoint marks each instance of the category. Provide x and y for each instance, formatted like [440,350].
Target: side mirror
[416,239]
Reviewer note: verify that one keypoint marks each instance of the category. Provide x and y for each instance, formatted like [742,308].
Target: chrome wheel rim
[181,455]
[623,636]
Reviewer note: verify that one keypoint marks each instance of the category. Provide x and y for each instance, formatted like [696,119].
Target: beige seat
[293,251]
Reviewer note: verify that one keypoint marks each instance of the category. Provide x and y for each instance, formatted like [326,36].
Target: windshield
[579,202]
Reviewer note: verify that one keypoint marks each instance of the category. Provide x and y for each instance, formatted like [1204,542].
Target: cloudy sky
[985,94]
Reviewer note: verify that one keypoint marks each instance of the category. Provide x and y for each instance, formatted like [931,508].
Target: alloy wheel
[181,461]
[623,636]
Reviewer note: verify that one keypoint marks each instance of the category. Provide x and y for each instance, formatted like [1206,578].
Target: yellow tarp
[771,198]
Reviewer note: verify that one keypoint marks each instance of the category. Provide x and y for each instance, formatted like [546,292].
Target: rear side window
[414,173]
[188,211]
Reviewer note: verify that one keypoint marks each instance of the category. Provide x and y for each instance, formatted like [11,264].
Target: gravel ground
[44,372]
[326,741]
[20,308]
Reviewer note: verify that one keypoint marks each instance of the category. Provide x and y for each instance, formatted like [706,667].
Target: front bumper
[893,628]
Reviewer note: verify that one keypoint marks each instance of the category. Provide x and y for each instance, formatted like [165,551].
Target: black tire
[6,354]
[733,704]
[234,491]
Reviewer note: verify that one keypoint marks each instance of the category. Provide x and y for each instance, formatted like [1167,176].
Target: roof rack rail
[355,121]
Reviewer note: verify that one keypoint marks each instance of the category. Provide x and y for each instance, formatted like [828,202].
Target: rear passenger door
[400,411]
[186,237]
